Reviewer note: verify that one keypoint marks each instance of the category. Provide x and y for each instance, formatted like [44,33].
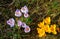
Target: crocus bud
[18,13]
[26,15]
[23,25]
[27,29]
[19,23]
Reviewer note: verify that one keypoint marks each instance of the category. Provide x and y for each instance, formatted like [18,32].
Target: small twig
[8,4]
[11,3]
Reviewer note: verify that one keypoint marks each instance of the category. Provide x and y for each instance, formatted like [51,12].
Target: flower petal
[24,9]
[24,25]
[18,13]
[19,23]
[26,15]
[27,29]
[11,22]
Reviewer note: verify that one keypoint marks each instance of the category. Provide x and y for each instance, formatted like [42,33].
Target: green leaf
[28,20]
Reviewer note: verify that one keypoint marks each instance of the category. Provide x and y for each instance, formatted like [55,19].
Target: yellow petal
[47,28]
[53,28]
[54,32]
[41,24]
[41,32]
[47,20]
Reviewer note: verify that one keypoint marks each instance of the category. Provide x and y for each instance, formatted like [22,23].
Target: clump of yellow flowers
[45,26]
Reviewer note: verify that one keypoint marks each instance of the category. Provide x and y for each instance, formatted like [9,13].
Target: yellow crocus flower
[41,32]
[53,29]
[47,28]
[47,20]
[41,24]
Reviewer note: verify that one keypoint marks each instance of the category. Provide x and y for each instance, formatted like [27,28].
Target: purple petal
[18,13]
[11,22]
[24,9]
[19,23]
[23,25]
[17,10]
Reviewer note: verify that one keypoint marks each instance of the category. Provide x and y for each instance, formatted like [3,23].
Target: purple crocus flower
[24,9]
[19,23]
[26,15]
[11,22]
[23,25]
[18,13]
[27,29]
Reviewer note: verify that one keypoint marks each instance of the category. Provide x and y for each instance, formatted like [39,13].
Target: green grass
[38,10]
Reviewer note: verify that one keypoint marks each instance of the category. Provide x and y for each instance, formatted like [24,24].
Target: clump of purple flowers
[23,25]
[18,13]
[23,10]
